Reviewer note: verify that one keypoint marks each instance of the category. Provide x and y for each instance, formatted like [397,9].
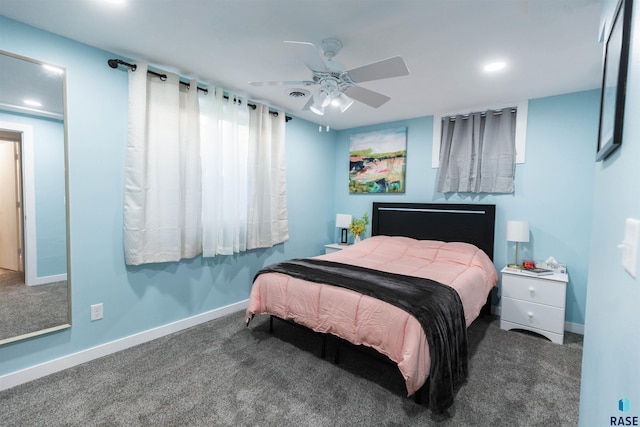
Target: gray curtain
[478,152]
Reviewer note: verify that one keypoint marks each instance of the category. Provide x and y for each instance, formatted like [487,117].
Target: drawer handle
[532,291]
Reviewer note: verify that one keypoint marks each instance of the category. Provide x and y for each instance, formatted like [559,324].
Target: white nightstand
[333,247]
[534,303]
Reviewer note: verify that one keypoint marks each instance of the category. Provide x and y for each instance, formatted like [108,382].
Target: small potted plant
[358,226]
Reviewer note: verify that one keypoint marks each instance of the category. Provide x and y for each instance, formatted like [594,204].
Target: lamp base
[343,236]
[514,266]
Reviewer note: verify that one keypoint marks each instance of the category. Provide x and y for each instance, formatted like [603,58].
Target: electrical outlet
[96,312]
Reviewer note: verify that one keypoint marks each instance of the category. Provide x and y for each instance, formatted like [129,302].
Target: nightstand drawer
[533,315]
[333,247]
[534,289]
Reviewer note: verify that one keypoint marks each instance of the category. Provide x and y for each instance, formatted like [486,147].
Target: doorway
[11,202]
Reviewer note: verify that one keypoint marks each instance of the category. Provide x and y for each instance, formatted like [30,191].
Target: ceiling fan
[337,86]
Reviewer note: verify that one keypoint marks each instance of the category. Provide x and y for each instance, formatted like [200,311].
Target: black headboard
[446,222]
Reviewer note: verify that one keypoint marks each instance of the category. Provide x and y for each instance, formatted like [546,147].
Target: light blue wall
[610,363]
[138,299]
[553,186]
[48,162]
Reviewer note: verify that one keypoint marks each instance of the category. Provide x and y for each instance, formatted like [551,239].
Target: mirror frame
[67,325]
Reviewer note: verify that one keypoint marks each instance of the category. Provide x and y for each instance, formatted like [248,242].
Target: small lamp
[343,221]
[517,231]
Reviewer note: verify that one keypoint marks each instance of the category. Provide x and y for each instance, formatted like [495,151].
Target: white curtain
[225,144]
[268,218]
[203,174]
[161,214]
[477,153]
[190,172]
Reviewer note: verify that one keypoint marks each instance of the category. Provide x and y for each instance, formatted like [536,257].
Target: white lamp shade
[342,101]
[517,231]
[318,110]
[321,98]
[343,220]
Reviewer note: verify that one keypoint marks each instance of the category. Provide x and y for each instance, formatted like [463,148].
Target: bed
[412,244]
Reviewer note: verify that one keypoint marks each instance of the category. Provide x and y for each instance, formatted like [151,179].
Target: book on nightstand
[536,271]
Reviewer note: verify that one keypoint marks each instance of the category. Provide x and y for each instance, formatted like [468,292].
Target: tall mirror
[35,285]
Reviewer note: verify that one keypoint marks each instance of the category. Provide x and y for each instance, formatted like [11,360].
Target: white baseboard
[50,279]
[41,370]
[576,328]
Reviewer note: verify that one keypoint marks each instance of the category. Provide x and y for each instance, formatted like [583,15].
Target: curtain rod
[482,114]
[114,63]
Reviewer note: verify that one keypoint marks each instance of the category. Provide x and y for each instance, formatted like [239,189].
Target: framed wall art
[377,161]
[614,81]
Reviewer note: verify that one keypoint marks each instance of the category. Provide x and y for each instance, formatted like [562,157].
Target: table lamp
[517,231]
[343,221]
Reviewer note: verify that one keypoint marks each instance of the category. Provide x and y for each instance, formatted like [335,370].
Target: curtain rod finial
[115,63]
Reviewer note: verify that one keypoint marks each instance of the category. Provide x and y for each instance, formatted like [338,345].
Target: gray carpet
[223,374]
[25,309]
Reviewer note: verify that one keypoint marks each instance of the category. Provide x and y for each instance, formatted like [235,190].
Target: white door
[10,212]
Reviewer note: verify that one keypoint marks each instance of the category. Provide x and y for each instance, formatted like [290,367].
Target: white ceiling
[551,46]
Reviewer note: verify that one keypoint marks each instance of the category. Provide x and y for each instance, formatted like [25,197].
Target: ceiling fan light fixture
[322,98]
[319,110]
[342,101]
[335,83]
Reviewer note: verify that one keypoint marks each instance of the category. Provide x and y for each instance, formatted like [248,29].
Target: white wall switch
[630,245]
[96,312]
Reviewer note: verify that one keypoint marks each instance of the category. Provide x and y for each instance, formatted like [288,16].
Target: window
[478,152]
[521,131]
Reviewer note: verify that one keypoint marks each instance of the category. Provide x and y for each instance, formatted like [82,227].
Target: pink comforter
[363,320]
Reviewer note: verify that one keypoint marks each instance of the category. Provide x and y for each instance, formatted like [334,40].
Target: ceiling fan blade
[392,67]
[284,83]
[309,54]
[366,96]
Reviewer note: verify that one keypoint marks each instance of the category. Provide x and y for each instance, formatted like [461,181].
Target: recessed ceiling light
[53,69]
[32,103]
[495,66]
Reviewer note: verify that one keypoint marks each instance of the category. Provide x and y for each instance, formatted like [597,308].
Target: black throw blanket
[436,306]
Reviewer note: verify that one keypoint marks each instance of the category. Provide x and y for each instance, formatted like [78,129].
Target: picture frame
[614,81]
[377,161]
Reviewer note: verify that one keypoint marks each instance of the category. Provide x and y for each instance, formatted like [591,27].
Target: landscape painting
[377,161]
